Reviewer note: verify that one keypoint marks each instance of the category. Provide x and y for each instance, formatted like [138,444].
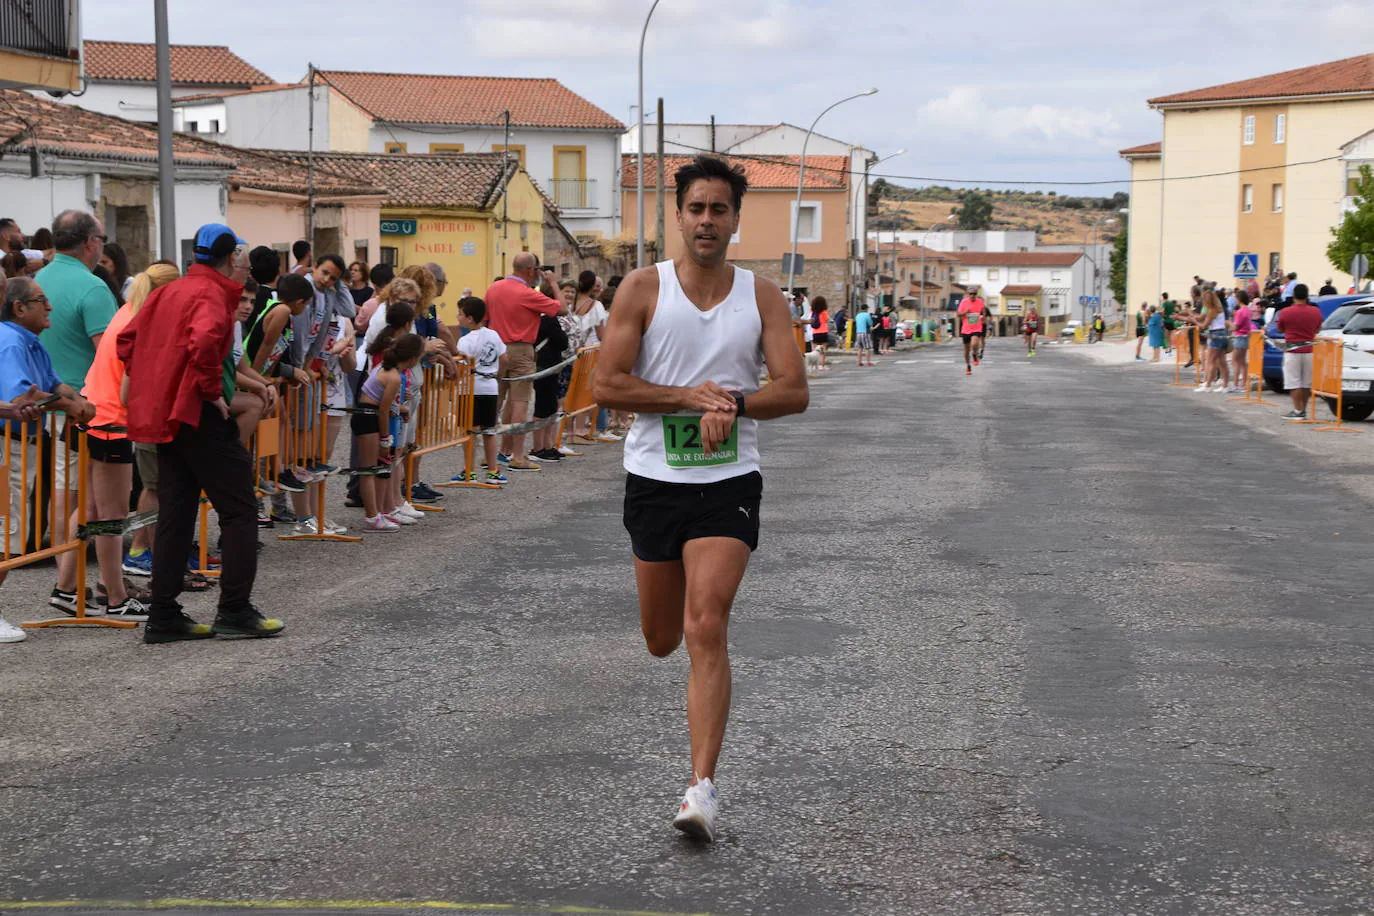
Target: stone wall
[827,278]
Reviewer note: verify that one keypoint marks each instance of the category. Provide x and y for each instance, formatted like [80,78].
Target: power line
[977,181]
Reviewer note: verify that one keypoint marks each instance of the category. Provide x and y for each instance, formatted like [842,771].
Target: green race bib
[682,446]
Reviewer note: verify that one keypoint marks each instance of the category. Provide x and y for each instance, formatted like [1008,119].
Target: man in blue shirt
[24,364]
[863,335]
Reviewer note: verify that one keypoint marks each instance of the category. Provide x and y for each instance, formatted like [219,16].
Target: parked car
[908,329]
[900,333]
[1357,364]
[1329,305]
[1071,328]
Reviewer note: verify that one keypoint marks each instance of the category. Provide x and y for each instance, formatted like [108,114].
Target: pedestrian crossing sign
[1247,265]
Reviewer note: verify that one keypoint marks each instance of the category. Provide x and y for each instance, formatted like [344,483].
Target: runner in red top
[972,328]
[1031,329]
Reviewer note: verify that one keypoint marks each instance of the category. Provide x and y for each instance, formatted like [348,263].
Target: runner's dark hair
[337,262]
[398,318]
[704,168]
[404,349]
[293,287]
[585,281]
[300,249]
[264,264]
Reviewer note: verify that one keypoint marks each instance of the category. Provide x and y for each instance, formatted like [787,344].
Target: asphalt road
[1048,639]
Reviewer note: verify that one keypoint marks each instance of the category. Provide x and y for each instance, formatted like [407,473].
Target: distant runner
[972,328]
[685,347]
[1031,329]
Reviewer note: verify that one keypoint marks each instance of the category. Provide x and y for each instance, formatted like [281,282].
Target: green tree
[1117,280]
[1355,234]
[975,212]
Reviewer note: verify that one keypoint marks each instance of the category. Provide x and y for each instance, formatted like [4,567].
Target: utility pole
[505,198]
[310,166]
[661,248]
[166,168]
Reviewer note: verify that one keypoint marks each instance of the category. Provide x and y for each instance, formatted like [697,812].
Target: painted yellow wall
[349,128]
[31,71]
[765,229]
[469,244]
[1200,215]
[1261,230]
[1142,256]
[1313,192]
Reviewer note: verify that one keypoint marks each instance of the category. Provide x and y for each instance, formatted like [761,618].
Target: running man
[1031,329]
[972,329]
[682,350]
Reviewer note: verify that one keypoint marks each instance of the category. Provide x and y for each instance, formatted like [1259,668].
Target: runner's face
[245,307]
[707,219]
[325,275]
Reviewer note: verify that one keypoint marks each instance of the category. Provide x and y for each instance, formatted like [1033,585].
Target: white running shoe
[10,633]
[1200,388]
[408,510]
[564,450]
[306,526]
[334,528]
[696,816]
[380,522]
[396,518]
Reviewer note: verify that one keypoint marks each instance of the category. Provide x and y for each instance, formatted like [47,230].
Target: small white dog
[813,362]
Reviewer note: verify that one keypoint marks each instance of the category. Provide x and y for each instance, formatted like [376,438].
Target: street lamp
[924,235]
[801,174]
[869,163]
[639,142]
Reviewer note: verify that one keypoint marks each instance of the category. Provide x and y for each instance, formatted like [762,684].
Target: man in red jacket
[180,382]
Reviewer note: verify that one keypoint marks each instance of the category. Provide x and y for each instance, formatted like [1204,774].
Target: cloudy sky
[983,90]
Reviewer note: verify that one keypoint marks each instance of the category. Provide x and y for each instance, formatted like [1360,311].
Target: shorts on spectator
[1217,340]
[864,342]
[1241,341]
[484,410]
[821,340]
[145,458]
[519,361]
[110,451]
[365,424]
[1297,370]
[545,397]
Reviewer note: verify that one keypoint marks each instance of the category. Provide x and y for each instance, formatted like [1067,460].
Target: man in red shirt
[971,328]
[513,309]
[179,386]
[1299,324]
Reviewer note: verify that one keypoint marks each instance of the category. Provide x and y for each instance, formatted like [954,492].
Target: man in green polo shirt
[1168,306]
[82,305]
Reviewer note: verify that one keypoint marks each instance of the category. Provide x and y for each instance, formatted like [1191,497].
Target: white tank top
[682,347]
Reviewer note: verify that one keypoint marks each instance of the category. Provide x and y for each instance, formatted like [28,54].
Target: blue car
[1336,311]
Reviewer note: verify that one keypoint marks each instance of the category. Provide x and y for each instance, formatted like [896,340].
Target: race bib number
[682,446]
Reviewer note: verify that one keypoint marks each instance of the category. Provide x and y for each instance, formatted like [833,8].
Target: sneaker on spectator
[380,522]
[398,519]
[424,493]
[130,589]
[569,452]
[175,629]
[306,526]
[1291,415]
[193,561]
[141,565]
[66,602]
[10,633]
[289,482]
[250,623]
[320,468]
[464,477]
[496,477]
[523,466]
[502,458]
[306,476]
[351,503]
[408,509]
[130,609]
[607,436]
[265,521]
[279,519]
[266,487]
[334,528]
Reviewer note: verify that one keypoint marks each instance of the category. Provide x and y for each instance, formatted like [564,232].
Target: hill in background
[1059,220]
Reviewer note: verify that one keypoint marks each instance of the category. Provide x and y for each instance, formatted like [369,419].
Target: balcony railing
[573,193]
[37,26]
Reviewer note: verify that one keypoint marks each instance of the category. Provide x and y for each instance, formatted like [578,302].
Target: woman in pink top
[1243,322]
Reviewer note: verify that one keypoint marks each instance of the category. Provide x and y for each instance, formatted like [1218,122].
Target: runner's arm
[786,391]
[614,385]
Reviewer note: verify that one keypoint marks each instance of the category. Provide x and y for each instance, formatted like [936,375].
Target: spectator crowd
[165,376]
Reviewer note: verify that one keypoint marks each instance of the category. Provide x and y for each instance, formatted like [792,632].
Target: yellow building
[1247,167]
[469,213]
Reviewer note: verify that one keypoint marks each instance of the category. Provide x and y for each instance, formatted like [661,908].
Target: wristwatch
[739,403]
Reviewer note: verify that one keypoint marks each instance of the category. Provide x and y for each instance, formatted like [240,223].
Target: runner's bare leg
[714,568]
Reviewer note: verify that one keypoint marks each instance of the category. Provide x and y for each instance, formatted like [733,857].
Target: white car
[1071,328]
[1357,365]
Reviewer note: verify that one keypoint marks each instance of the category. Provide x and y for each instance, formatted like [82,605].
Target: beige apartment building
[1247,167]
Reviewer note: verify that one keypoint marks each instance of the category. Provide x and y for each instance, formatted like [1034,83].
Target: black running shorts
[484,410]
[661,517]
[968,337]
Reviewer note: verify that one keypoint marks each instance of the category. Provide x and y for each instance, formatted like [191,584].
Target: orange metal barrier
[1254,370]
[303,440]
[579,399]
[799,333]
[1185,344]
[446,408]
[1328,366]
[33,505]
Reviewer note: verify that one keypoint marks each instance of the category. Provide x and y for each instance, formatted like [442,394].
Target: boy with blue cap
[179,389]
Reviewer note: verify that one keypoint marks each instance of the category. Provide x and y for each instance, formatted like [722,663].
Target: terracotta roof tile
[192,65]
[1144,151]
[272,171]
[1024,290]
[1352,75]
[907,252]
[1020,258]
[765,173]
[469,100]
[467,180]
[69,131]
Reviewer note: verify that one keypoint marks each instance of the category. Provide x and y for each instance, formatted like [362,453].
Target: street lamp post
[924,236]
[1097,270]
[801,174]
[869,163]
[639,142]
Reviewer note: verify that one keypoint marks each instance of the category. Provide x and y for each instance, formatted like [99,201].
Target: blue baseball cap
[215,240]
